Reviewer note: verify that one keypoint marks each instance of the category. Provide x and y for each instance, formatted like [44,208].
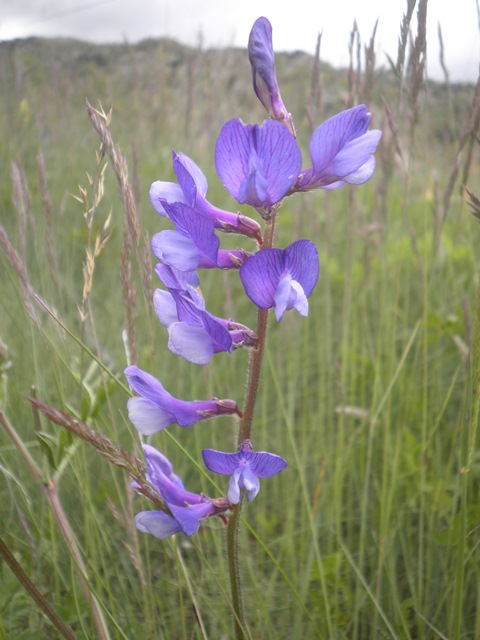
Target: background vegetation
[372,531]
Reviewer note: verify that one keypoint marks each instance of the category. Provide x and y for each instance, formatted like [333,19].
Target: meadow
[372,531]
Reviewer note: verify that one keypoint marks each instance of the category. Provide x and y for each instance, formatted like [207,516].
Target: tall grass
[372,531]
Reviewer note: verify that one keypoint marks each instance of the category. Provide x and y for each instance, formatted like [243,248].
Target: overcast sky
[227,22]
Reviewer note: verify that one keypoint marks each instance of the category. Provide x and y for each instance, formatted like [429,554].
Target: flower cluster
[259,165]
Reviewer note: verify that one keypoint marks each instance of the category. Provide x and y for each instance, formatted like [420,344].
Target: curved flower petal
[264,464]
[158,465]
[189,517]
[161,192]
[176,250]
[190,178]
[156,523]
[289,295]
[165,307]
[190,342]
[233,493]
[250,483]
[257,165]
[220,462]
[147,416]
[147,385]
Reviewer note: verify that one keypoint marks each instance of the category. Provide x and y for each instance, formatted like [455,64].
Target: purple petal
[260,275]
[147,386]
[176,250]
[161,192]
[196,227]
[301,262]
[362,174]
[233,493]
[190,342]
[189,517]
[332,135]
[175,279]
[260,53]
[265,464]
[165,307]
[355,154]
[147,416]
[156,523]
[220,462]
[190,177]
[289,295]
[158,465]
[258,165]
[250,483]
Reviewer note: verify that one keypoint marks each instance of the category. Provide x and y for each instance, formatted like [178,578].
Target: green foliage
[372,530]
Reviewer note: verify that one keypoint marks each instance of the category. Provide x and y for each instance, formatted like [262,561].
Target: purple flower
[246,466]
[187,509]
[156,409]
[341,149]
[191,190]
[264,77]
[282,278]
[258,165]
[193,244]
[194,333]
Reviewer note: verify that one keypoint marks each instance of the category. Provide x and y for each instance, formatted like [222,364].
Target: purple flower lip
[282,278]
[154,408]
[186,510]
[257,165]
[191,190]
[245,467]
[341,149]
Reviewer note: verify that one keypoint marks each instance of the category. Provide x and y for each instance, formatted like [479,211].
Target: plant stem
[233,568]
[244,430]
[256,355]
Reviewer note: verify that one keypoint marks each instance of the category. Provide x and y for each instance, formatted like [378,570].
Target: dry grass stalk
[101,123]
[402,42]
[129,295]
[417,65]
[369,75]
[353,73]
[28,292]
[146,271]
[114,453]
[49,225]
[22,204]
[314,104]
[92,249]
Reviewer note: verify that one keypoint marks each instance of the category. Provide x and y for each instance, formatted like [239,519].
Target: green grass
[372,530]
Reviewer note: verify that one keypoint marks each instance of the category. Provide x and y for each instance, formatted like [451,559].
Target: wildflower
[193,244]
[341,149]
[264,77]
[187,509]
[156,409]
[246,466]
[282,278]
[191,190]
[257,165]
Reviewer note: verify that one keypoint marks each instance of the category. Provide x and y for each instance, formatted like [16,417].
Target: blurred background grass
[372,531]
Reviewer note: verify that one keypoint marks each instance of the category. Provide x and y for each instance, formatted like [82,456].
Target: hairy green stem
[233,568]
[256,355]
[244,431]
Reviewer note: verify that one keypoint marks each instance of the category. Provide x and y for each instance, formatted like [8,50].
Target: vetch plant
[259,165]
